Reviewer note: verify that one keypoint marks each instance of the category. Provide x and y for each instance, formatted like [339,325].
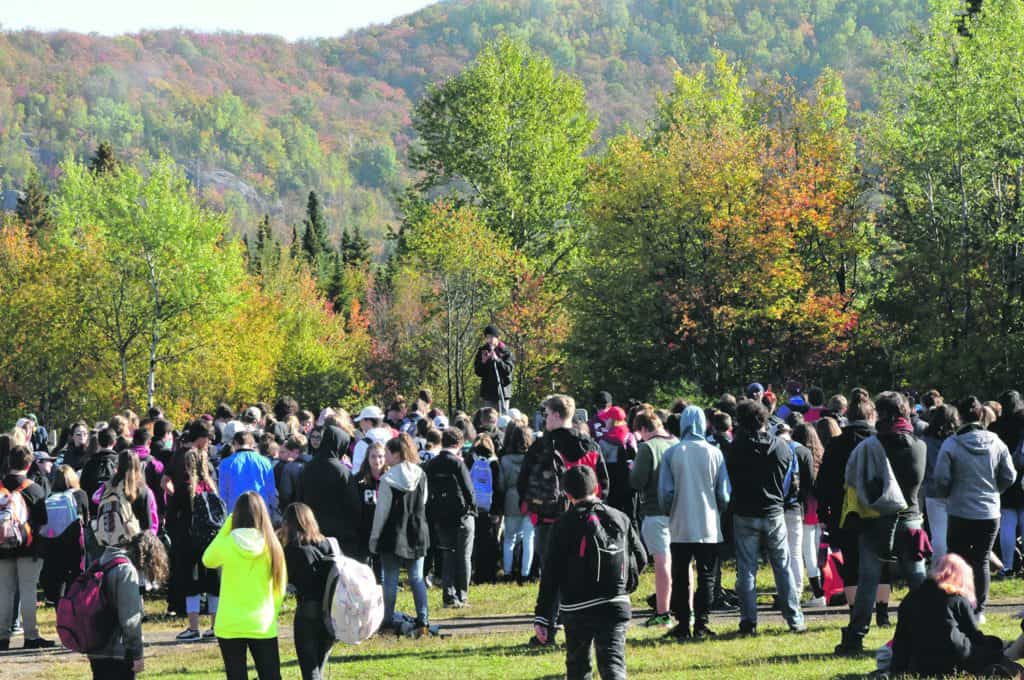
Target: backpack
[61,512]
[353,603]
[607,563]
[115,522]
[15,531]
[544,495]
[483,483]
[85,617]
[444,500]
[208,515]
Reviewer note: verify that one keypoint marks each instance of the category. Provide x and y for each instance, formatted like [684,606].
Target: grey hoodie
[405,477]
[122,590]
[973,468]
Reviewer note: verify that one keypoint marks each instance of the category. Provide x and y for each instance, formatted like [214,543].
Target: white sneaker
[208,633]
[815,602]
[980,618]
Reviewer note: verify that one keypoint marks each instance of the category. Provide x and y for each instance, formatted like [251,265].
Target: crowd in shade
[219,518]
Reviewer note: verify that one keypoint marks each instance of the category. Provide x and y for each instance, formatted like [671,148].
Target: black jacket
[74,456]
[573,449]
[757,465]
[100,468]
[565,579]
[35,498]
[797,496]
[327,487]
[446,464]
[1010,428]
[830,486]
[495,374]
[936,634]
[307,569]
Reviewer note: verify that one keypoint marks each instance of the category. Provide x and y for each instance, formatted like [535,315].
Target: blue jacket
[247,471]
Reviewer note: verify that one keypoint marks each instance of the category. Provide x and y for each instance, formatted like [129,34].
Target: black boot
[882,614]
[816,588]
[851,645]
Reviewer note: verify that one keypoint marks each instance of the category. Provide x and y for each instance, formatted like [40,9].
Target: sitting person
[937,634]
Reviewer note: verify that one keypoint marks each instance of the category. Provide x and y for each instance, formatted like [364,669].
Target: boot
[882,614]
[851,645]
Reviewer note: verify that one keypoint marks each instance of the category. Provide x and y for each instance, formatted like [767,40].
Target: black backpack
[445,502]
[544,494]
[608,564]
[208,515]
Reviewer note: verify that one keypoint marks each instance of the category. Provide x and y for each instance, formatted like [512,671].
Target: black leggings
[312,645]
[111,669]
[972,539]
[264,655]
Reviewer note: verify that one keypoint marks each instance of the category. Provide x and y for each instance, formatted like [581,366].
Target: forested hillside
[258,122]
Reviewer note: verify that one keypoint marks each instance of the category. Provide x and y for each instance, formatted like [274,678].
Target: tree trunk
[122,353]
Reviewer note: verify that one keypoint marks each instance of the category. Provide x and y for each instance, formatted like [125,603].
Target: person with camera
[493,365]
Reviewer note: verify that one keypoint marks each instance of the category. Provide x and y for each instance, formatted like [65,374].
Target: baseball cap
[754,388]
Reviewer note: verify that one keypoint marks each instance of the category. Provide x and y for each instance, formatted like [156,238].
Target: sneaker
[882,615]
[798,628]
[980,618]
[659,621]
[816,602]
[850,645]
[723,604]
[189,635]
[208,633]
[704,633]
[16,628]
[748,628]
[679,633]
[39,643]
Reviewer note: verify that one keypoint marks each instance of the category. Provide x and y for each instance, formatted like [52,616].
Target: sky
[292,19]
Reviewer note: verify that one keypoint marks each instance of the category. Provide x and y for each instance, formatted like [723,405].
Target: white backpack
[61,512]
[115,523]
[353,602]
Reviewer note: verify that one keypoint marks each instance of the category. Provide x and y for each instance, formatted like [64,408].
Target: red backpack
[85,617]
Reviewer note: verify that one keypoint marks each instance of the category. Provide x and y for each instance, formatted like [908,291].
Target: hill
[258,121]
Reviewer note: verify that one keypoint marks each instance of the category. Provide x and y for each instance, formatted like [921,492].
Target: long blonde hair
[129,471]
[197,467]
[250,512]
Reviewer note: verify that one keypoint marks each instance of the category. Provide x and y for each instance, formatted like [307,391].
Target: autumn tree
[159,266]
[458,269]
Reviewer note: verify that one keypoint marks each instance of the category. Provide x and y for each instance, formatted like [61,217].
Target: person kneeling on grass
[121,657]
[252,584]
[593,560]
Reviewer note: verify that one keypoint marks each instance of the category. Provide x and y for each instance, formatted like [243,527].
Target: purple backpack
[85,619]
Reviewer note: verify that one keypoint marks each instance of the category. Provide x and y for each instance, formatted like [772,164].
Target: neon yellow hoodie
[249,602]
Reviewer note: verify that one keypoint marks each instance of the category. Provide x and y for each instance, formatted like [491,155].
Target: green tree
[33,205]
[104,159]
[355,248]
[507,135]
[160,264]
[949,138]
[314,237]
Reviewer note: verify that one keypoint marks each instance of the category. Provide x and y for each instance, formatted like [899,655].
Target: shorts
[656,535]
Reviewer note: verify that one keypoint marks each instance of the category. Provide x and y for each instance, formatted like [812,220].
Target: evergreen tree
[104,159]
[336,288]
[314,238]
[296,244]
[33,204]
[355,248]
[263,238]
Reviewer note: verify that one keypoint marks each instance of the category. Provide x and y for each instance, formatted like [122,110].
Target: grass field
[774,654]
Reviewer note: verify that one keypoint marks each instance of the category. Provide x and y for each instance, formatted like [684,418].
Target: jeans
[972,539]
[938,522]
[19,576]
[518,527]
[264,656]
[750,535]
[812,542]
[706,555]
[1010,524]
[312,644]
[389,566]
[874,533]
[111,669]
[456,545]
[795,541]
[608,639]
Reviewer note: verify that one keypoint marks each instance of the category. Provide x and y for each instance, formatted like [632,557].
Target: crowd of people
[232,510]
